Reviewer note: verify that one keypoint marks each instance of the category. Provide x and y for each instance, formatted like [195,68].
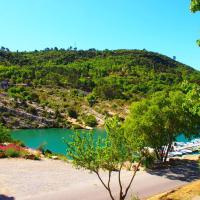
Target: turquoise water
[53,139]
[181,138]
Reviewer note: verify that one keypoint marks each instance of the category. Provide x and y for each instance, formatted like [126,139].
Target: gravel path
[56,180]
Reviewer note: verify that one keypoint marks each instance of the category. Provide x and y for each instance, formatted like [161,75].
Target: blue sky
[166,27]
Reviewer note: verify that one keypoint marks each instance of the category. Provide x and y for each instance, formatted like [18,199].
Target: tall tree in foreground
[194,7]
[108,154]
[161,118]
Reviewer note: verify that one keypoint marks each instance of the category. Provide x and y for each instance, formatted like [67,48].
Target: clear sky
[164,26]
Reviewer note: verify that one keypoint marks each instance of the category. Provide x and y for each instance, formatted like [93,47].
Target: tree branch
[97,173]
[107,187]
[129,185]
[109,190]
[168,149]
[157,153]
[119,179]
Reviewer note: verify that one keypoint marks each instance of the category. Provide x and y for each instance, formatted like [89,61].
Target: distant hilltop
[80,88]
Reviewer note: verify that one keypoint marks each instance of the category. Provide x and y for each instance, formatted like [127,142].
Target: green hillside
[64,88]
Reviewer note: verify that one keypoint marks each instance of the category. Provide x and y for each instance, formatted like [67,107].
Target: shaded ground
[4,197]
[56,180]
[186,170]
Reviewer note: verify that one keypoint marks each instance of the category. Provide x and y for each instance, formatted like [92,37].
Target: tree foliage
[115,74]
[90,120]
[4,134]
[162,117]
[109,154]
[61,79]
[194,7]
[118,74]
[22,93]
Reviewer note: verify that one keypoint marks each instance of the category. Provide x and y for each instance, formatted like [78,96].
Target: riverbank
[54,138]
[52,180]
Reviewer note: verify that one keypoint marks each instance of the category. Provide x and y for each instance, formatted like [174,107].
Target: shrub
[72,113]
[2,154]
[32,156]
[4,134]
[74,92]
[41,147]
[22,93]
[19,143]
[47,151]
[15,151]
[149,160]
[32,110]
[90,120]
[76,126]
[91,98]
[12,153]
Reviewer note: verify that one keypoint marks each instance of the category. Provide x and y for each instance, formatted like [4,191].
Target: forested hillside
[64,88]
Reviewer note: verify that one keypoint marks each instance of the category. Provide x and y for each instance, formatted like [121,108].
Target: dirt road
[56,180]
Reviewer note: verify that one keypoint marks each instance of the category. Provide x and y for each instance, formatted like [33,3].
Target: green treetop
[194,7]
[108,154]
[161,118]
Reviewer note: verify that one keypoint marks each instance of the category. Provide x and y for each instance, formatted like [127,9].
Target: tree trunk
[168,149]
[129,185]
[108,184]
[120,184]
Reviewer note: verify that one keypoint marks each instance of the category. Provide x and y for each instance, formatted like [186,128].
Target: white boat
[175,153]
[179,144]
[185,151]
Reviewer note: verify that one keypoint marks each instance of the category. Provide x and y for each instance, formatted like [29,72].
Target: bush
[32,110]
[90,120]
[2,154]
[76,126]
[32,156]
[19,143]
[22,93]
[4,134]
[41,147]
[91,98]
[72,113]
[12,153]
[15,151]
[149,161]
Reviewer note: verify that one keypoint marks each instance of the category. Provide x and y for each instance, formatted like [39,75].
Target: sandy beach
[52,180]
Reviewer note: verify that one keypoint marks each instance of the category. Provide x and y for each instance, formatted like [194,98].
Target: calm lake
[54,138]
